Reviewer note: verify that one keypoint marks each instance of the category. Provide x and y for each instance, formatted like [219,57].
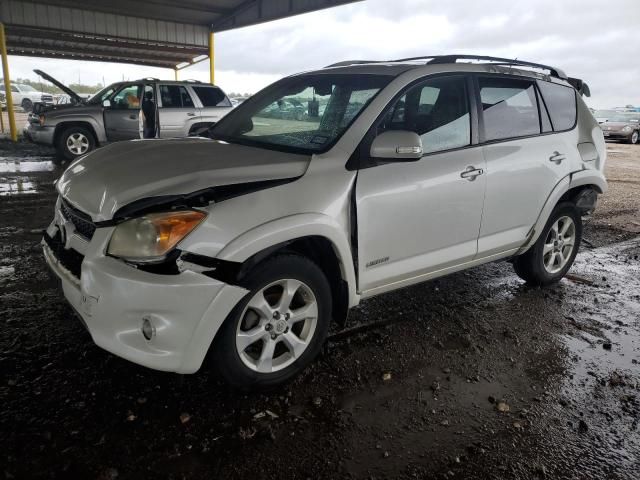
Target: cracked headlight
[149,238]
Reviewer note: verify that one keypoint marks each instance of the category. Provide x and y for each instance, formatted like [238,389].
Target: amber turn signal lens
[174,227]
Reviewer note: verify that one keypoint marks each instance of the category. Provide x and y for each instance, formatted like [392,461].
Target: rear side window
[175,96]
[212,97]
[561,104]
[509,108]
[437,110]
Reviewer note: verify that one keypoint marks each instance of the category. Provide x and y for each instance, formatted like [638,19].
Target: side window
[175,96]
[437,110]
[212,97]
[561,103]
[127,98]
[14,89]
[509,108]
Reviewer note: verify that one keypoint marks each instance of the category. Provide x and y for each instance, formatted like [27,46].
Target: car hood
[112,177]
[60,85]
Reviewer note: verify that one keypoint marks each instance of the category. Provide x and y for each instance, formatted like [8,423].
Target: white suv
[26,96]
[322,190]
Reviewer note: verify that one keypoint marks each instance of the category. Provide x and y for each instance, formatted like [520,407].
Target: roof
[158,33]
[414,62]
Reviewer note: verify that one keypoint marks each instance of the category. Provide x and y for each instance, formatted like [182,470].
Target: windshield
[623,118]
[103,94]
[604,113]
[306,113]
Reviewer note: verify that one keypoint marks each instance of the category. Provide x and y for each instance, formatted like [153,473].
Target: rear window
[175,96]
[561,104]
[510,108]
[212,97]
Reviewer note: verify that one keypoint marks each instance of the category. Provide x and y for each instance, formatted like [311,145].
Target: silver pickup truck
[178,109]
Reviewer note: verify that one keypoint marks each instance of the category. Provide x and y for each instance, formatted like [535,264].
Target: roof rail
[353,62]
[442,59]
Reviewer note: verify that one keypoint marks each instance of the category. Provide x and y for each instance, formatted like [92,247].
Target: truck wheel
[27,105]
[74,142]
[278,328]
[549,259]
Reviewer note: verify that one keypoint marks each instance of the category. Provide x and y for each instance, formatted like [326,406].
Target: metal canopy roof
[158,33]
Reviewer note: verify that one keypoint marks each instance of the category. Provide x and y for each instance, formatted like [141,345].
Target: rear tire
[270,337]
[551,257]
[75,141]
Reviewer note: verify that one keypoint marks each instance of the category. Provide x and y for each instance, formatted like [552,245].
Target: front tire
[278,328]
[634,138]
[551,257]
[74,142]
[27,105]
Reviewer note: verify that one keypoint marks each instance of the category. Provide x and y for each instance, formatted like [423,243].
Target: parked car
[26,96]
[622,126]
[113,114]
[249,245]
[66,99]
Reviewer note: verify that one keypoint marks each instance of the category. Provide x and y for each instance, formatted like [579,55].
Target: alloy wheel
[277,326]
[77,143]
[559,244]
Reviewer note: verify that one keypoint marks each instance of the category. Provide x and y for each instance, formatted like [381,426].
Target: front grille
[83,223]
[46,98]
[69,259]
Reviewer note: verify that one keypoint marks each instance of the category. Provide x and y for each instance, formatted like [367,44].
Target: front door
[122,117]
[414,218]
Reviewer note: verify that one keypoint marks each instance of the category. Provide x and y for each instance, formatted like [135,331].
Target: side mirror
[106,103]
[397,145]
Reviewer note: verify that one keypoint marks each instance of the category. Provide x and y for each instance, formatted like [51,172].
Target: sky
[590,39]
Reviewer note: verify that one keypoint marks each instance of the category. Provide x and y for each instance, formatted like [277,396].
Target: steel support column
[211,59]
[7,85]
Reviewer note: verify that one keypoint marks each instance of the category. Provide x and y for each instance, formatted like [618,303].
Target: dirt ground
[471,376]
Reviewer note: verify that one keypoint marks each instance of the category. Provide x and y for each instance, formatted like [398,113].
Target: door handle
[557,158]
[471,173]
[191,114]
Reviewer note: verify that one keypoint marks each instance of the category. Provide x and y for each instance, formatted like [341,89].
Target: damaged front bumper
[115,300]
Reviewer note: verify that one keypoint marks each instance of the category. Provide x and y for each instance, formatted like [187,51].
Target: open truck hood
[148,172]
[61,86]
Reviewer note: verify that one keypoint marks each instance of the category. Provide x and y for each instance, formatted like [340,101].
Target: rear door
[177,111]
[122,117]
[215,104]
[525,160]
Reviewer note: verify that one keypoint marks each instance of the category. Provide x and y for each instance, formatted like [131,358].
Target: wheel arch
[62,126]
[315,236]
[568,189]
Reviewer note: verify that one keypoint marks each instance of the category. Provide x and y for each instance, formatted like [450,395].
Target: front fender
[291,228]
[98,126]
